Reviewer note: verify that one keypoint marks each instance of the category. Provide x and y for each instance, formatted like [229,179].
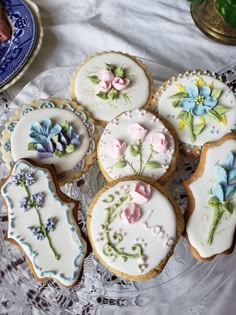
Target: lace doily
[185,286]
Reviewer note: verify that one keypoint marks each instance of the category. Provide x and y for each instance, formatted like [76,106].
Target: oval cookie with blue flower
[52,131]
[133,227]
[211,209]
[199,105]
[42,222]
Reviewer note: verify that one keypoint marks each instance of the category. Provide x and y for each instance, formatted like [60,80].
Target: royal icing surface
[133,227]
[211,226]
[136,143]
[200,107]
[23,129]
[129,89]
[43,224]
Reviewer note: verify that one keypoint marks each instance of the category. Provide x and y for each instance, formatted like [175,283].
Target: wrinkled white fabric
[159,30]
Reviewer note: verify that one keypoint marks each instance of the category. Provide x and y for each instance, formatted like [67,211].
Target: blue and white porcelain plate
[15,52]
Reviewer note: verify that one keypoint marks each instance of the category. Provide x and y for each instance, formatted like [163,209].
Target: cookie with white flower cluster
[133,227]
[52,131]
[211,210]
[200,105]
[138,143]
[42,222]
[110,83]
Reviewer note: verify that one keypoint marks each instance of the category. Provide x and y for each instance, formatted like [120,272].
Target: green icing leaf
[93,78]
[112,94]
[110,67]
[120,164]
[134,149]
[102,95]
[213,114]
[65,126]
[183,115]
[178,96]
[221,109]
[213,201]
[119,72]
[216,93]
[197,129]
[176,103]
[55,138]
[70,148]
[32,146]
[58,153]
[228,207]
[125,97]
[152,165]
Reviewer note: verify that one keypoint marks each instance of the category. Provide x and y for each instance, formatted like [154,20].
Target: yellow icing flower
[201,120]
[210,84]
[180,87]
[182,124]
[223,120]
[200,82]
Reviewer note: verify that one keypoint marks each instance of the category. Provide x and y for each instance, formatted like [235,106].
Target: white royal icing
[19,149]
[138,90]
[66,238]
[201,219]
[213,129]
[118,129]
[155,230]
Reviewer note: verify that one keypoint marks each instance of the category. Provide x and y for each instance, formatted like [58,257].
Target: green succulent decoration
[226,8]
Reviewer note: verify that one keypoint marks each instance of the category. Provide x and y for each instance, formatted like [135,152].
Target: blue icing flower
[199,101]
[41,132]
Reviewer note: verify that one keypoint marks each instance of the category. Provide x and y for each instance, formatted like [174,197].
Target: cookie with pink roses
[133,227]
[138,143]
[110,83]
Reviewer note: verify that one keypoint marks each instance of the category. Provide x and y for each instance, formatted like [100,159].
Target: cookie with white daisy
[110,83]
[138,143]
[200,105]
[133,227]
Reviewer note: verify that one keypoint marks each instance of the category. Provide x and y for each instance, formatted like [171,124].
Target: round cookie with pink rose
[133,227]
[138,143]
[110,83]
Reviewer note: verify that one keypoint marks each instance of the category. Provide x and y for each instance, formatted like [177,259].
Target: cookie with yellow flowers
[200,105]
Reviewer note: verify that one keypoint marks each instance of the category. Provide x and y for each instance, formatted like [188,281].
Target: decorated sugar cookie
[42,223]
[53,131]
[199,105]
[110,83]
[138,143]
[211,211]
[133,227]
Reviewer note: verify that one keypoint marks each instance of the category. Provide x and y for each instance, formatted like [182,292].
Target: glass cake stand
[185,286]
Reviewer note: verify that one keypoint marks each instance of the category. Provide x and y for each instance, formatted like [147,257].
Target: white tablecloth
[158,30]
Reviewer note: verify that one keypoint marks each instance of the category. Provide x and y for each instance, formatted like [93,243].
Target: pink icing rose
[131,213]
[116,148]
[103,86]
[141,193]
[137,132]
[120,84]
[159,142]
[106,75]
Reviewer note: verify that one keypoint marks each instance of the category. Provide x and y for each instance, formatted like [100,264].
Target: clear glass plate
[185,286]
